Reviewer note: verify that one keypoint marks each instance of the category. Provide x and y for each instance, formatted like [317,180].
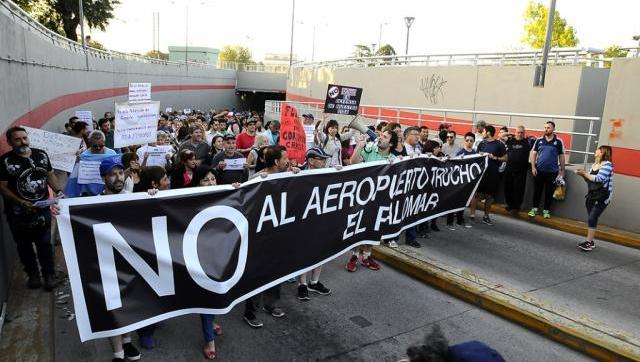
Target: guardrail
[559,56]
[432,117]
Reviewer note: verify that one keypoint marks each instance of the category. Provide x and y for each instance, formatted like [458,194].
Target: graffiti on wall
[432,86]
[616,129]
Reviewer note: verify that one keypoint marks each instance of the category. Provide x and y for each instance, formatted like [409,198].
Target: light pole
[542,69]
[84,41]
[293,20]
[408,20]
[380,34]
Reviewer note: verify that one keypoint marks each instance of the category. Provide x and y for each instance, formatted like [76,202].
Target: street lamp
[380,34]
[408,20]
[541,70]
[293,21]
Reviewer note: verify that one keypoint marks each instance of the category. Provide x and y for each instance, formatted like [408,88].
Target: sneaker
[464,224]
[370,263]
[392,244]
[275,312]
[352,265]
[147,342]
[451,227]
[546,214]
[131,353]
[252,320]
[435,227]
[49,282]
[303,292]
[319,288]
[585,246]
[487,220]
[533,212]
[34,281]
[414,243]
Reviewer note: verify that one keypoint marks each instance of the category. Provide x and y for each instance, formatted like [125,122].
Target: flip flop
[209,353]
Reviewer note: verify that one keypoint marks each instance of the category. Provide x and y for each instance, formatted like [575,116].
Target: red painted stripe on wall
[40,115]
[625,161]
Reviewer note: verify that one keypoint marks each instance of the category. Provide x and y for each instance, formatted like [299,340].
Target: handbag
[560,192]
[597,192]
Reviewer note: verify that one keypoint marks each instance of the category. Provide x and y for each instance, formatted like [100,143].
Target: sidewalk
[536,276]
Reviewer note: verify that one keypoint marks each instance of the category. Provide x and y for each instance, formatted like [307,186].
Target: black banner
[135,259]
[342,99]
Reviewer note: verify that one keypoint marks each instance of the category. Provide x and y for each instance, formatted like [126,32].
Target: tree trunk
[70,26]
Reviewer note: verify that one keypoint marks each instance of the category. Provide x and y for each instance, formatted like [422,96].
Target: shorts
[489,184]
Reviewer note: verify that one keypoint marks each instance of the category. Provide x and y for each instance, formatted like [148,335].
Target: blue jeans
[207,326]
[411,234]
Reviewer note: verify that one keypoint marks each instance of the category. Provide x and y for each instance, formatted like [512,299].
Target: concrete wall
[262,82]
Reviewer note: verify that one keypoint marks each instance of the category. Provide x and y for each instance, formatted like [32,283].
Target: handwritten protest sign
[86,117]
[292,134]
[234,164]
[308,132]
[139,92]
[342,99]
[136,124]
[89,172]
[60,148]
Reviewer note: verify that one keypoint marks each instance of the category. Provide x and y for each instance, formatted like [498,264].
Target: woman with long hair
[330,141]
[217,146]
[600,188]
[183,173]
[131,164]
[254,161]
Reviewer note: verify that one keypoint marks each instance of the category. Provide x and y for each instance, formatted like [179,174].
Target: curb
[605,233]
[581,334]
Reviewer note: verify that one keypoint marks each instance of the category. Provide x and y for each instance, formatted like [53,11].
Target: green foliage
[62,16]
[156,55]
[536,16]
[385,50]
[361,51]
[96,45]
[614,51]
[237,54]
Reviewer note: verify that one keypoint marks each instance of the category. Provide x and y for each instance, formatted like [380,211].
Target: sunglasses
[450,137]
[468,140]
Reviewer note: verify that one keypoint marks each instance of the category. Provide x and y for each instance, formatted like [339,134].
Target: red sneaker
[370,263]
[352,265]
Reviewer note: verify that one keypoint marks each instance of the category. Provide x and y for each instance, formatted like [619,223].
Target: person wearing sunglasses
[96,141]
[450,148]
[467,149]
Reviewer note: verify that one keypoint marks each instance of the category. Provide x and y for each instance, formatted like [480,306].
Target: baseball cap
[316,152]
[229,136]
[109,163]
[308,115]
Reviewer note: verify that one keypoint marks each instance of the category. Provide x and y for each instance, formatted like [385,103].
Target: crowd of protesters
[197,150]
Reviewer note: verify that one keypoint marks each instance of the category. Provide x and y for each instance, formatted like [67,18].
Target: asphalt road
[370,316]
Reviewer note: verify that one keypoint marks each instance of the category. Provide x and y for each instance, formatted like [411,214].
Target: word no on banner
[341,99]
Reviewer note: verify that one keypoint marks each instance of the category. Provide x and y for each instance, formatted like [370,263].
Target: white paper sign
[60,148]
[136,124]
[158,155]
[186,111]
[139,92]
[89,172]
[234,164]
[86,117]
[308,131]
[168,110]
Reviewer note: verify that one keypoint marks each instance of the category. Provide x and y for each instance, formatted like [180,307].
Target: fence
[433,117]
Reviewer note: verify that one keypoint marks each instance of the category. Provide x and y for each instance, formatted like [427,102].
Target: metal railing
[20,16]
[432,117]
[559,56]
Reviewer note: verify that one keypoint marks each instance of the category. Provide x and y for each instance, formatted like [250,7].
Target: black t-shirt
[26,176]
[227,177]
[518,152]
[496,148]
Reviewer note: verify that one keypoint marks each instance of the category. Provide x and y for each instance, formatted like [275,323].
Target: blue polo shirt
[548,152]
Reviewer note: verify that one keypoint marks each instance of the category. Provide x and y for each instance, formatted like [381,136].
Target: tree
[614,51]
[385,50]
[96,45]
[156,55]
[535,17]
[62,16]
[237,54]
[361,51]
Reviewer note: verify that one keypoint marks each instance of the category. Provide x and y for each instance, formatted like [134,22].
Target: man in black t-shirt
[25,174]
[226,174]
[515,175]
[497,152]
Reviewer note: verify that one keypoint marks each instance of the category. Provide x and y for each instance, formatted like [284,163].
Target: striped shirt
[604,175]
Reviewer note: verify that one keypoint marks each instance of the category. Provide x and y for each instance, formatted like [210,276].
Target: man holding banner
[25,174]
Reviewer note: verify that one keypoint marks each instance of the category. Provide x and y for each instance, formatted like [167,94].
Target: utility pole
[408,20]
[541,70]
[293,20]
[313,46]
[84,41]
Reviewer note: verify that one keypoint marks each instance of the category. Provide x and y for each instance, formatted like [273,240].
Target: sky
[440,26]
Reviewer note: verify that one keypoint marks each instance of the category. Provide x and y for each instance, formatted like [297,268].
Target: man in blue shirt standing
[547,162]
[497,152]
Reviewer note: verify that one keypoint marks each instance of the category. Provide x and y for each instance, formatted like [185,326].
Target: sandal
[209,353]
[217,329]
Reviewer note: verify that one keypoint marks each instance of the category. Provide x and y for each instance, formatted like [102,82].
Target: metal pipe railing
[273,108]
